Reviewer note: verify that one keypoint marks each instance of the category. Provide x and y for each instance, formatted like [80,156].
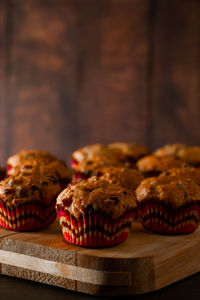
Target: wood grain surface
[81,71]
[145,262]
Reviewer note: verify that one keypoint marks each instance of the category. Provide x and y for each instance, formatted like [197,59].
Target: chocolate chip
[52,179]
[181,185]
[43,182]
[98,174]
[115,199]
[88,173]
[21,193]
[89,208]
[34,188]
[8,191]
[124,193]
[187,165]
[67,202]
[165,173]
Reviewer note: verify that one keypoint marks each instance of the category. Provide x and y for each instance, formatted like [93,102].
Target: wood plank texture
[176,89]
[3,76]
[84,71]
[78,74]
[145,262]
[113,48]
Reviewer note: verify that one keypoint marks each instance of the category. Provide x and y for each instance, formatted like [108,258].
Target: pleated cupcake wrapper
[160,218]
[26,217]
[95,229]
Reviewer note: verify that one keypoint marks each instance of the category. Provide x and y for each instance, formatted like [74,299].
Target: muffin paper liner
[160,217]
[28,216]
[95,229]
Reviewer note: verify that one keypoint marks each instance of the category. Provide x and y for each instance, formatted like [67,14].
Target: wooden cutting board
[145,262]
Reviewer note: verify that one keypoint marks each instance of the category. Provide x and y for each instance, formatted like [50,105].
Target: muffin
[56,168]
[28,156]
[39,163]
[27,203]
[190,155]
[87,159]
[152,165]
[169,149]
[169,204]
[124,177]
[95,213]
[2,173]
[131,151]
[185,172]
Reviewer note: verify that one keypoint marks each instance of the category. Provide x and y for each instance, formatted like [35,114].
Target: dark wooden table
[17,289]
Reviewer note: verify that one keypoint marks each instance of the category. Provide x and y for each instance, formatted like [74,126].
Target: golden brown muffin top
[157,164]
[15,190]
[189,173]
[190,154]
[56,168]
[124,177]
[130,149]
[171,190]
[27,156]
[89,152]
[96,195]
[169,149]
[94,156]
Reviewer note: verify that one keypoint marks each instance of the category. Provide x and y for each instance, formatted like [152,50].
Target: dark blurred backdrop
[74,72]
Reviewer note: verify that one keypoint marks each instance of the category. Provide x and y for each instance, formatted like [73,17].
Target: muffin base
[28,216]
[95,229]
[161,218]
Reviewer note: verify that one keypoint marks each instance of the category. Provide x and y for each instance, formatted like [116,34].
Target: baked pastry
[132,152]
[27,203]
[39,163]
[124,177]
[190,154]
[152,165]
[169,149]
[2,173]
[169,204]
[87,159]
[95,213]
[186,172]
[28,156]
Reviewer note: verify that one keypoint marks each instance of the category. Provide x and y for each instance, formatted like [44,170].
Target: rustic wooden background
[74,72]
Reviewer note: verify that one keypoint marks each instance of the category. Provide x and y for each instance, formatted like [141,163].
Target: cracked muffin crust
[39,163]
[131,151]
[186,172]
[26,156]
[124,177]
[87,159]
[97,195]
[169,149]
[190,154]
[152,165]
